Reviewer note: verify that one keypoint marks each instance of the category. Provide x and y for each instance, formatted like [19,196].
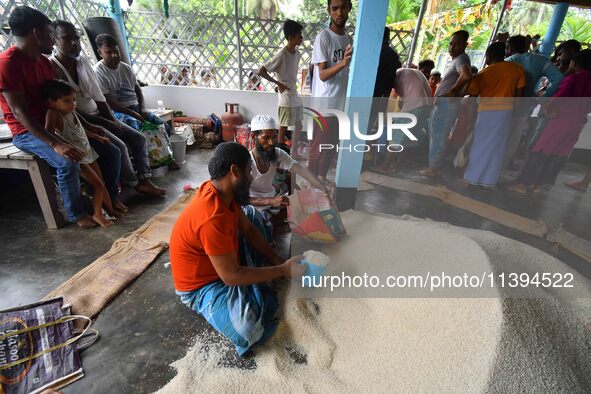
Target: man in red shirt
[23,69]
[217,254]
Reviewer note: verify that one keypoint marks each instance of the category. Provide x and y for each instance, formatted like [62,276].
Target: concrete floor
[146,328]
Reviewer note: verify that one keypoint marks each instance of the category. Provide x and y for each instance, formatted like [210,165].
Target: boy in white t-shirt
[285,65]
[331,58]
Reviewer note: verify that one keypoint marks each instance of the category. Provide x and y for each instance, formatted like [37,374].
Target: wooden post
[46,193]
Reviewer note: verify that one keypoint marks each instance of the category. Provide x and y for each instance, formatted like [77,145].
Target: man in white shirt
[266,159]
[331,58]
[446,104]
[285,65]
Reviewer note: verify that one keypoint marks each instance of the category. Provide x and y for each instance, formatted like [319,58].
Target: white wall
[196,101]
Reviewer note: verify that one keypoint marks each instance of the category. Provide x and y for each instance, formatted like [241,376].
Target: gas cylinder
[231,118]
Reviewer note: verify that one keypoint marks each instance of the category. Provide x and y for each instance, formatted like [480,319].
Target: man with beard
[23,70]
[331,58]
[266,159]
[69,65]
[218,254]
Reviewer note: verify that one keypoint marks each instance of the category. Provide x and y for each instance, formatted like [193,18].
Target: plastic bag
[39,347]
[461,159]
[159,149]
[187,132]
[311,214]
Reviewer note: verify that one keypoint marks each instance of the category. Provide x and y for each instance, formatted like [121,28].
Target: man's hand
[117,129]
[68,151]
[279,201]
[348,55]
[293,268]
[96,130]
[102,139]
[282,87]
[137,116]
[144,113]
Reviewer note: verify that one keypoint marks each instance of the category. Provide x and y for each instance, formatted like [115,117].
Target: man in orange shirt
[497,86]
[218,252]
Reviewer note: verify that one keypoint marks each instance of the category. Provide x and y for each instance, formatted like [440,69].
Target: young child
[434,80]
[285,65]
[62,120]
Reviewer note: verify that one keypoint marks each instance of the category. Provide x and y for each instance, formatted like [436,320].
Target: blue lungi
[136,124]
[243,314]
[487,152]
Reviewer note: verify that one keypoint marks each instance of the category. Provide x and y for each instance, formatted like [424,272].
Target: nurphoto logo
[400,121]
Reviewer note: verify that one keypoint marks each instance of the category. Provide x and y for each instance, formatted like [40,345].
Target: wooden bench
[40,172]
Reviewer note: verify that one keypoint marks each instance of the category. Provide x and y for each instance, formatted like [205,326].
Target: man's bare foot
[582,186]
[517,187]
[118,205]
[430,172]
[103,221]
[174,166]
[113,214]
[86,222]
[145,186]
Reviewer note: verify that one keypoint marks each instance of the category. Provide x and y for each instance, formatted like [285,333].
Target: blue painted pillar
[369,32]
[551,35]
[116,13]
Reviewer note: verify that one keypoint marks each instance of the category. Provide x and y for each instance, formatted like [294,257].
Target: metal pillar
[551,35]
[369,32]
[239,43]
[62,10]
[415,37]
[116,13]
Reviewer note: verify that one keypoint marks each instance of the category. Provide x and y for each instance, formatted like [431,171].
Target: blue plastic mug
[315,272]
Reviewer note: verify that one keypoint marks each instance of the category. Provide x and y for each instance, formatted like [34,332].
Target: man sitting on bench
[70,65]
[23,69]
[120,86]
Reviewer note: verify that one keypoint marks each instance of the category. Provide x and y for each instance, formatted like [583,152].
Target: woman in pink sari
[571,104]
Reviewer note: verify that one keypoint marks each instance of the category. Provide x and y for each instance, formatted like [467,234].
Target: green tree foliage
[401,10]
[577,27]
[187,6]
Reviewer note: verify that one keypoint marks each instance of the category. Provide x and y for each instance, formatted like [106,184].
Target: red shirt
[207,227]
[21,73]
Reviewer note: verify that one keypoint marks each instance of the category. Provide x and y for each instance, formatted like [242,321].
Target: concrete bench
[40,172]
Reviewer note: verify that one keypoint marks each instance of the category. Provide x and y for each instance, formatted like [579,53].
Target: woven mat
[93,287]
